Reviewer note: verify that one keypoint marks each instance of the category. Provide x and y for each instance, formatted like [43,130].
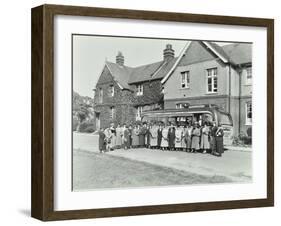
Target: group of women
[191,138]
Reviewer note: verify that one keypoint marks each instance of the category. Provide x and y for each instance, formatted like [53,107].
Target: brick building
[123,92]
[206,73]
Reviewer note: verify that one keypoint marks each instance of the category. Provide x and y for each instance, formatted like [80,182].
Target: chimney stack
[168,53]
[120,59]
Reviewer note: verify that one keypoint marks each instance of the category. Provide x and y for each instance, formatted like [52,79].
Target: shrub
[75,123]
[86,127]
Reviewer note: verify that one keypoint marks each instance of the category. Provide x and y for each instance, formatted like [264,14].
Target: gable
[196,53]
[105,76]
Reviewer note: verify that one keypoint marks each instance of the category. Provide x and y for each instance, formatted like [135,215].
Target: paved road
[235,165]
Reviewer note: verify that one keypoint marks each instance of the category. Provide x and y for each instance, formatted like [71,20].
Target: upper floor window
[111,90]
[112,112]
[100,95]
[212,80]
[185,79]
[248,113]
[249,75]
[139,90]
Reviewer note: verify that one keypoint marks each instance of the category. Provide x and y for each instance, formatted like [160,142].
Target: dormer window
[139,90]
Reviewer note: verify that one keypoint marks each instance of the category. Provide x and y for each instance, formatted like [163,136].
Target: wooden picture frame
[42,203]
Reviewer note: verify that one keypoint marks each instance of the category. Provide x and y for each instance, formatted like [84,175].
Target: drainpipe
[229,87]
[239,100]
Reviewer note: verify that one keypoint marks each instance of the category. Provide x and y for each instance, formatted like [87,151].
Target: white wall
[15,112]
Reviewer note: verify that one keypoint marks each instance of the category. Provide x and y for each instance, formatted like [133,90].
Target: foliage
[86,127]
[242,139]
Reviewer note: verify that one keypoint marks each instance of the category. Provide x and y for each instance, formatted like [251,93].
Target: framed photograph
[141,112]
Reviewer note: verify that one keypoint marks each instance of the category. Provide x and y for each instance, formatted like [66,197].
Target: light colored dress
[205,143]
[195,139]
[135,137]
[164,142]
[153,136]
[118,141]
[178,140]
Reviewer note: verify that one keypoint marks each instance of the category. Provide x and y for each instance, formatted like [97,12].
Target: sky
[91,52]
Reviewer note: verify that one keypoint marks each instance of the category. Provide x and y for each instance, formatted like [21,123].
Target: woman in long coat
[118,141]
[126,138]
[219,141]
[153,136]
[159,135]
[143,131]
[205,138]
[135,136]
[171,137]
[188,136]
[164,142]
[195,140]
[113,136]
[102,142]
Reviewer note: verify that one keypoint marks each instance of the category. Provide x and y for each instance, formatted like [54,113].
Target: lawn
[96,171]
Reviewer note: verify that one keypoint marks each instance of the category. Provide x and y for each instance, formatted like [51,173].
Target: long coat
[205,138]
[219,140]
[153,136]
[195,139]
[126,138]
[171,137]
[187,137]
[118,141]
[135,137]
[102,143]
[142,134]
[159,137]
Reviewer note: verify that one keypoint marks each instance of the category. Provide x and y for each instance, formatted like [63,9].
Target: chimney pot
[168,53]
[120,59]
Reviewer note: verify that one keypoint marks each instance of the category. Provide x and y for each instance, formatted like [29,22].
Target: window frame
[248,81]
[111,90]
[139,111]
[112,112]
[139,90]
[248,121]
[186,82]
[212,76]
[100,95]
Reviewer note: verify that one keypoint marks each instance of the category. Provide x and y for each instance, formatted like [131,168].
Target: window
[248,75]
[100,95]
[248,113]
[139,90]
[111,91]
[185,79]
[139,111]
[179,106]
[112,112]
[212,80]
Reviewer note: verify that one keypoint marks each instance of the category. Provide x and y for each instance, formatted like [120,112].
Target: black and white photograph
[150,112]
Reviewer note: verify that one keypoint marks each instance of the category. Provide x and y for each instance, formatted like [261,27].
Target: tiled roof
[239,53]
[219,50]
[120,73]
[144,73]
